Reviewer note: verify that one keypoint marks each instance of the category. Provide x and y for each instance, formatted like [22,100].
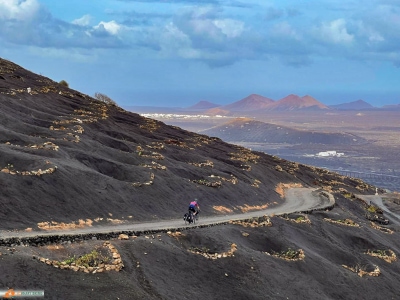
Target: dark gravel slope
[162,267]
[99,161]
[65,156]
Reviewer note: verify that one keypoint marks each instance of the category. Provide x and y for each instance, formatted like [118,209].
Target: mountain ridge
[294,102]
[355,105]
[203,104]
[249,103]
[258,103]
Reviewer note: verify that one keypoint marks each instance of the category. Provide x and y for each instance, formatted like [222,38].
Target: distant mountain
[309,101]
[392,107]
[294,102]
[355,105]
[249,130]
[203,105]
[250,103]
[258,103]
[217,111]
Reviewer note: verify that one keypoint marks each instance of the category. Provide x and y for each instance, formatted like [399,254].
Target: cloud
[285,31]
[196,2]
[135,18]
[83,21]
[335,32]
[384,21]
[231,28]
[378,34]
[206,35]
[274,13]
[111,27]
[216,32]
[204,24]
[232,3]
[209,36]
[18,10]
[29,23]
[287,43]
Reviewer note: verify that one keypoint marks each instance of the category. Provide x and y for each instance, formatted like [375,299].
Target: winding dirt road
[296,200]
[377,200]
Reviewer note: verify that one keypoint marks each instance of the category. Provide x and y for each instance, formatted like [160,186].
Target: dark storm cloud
[49,32]
[219,36]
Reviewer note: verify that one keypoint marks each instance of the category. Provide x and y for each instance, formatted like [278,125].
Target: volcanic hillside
[250,103]
[69,160]
[248,130]
[260,104]
[66,156]
[294,103]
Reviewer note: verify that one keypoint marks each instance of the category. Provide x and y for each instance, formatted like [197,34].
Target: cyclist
[194,207]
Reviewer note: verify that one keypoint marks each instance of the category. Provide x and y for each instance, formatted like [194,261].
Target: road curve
[377,200]
[296,200]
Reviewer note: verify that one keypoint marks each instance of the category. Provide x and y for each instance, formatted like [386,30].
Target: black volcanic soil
[163,268]
[65,156]
[103,162]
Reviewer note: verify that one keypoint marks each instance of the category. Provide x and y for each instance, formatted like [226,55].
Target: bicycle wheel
[186,219]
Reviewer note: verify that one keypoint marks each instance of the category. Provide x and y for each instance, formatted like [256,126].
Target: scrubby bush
[104,98]
[92,259]
[64,83]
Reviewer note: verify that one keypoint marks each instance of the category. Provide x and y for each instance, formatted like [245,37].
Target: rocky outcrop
[213,256]
[360,271]
[257,222]
[345,222]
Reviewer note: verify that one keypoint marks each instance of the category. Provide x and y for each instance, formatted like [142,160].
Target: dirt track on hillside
[296,200]
[377,200]
[160,266]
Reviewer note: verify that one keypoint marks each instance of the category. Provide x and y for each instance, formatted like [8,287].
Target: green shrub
[91,259]
[64,83]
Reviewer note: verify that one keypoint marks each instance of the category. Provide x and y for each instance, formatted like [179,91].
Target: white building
[330,153]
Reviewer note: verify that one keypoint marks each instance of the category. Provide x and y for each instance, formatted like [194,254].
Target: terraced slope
[67,157]
[68,161]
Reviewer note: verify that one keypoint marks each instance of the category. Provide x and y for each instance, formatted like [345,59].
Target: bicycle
[189,218]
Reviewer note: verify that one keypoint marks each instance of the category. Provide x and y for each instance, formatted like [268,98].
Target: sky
[176,53]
